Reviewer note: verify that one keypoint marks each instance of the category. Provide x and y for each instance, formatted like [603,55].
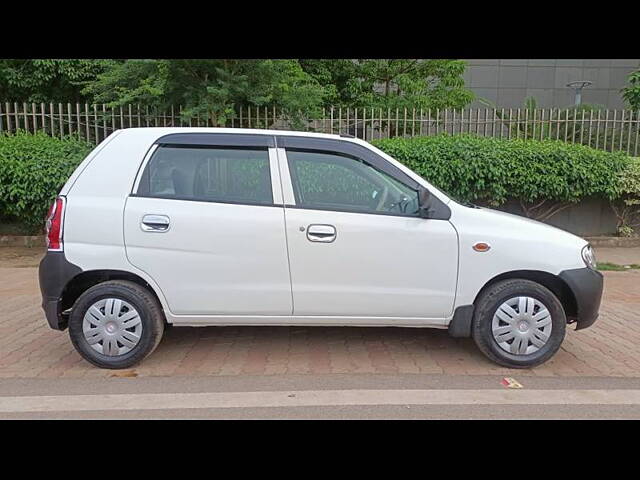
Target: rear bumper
[586,285]
[54,274]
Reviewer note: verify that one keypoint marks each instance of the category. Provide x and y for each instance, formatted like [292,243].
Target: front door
[357,247]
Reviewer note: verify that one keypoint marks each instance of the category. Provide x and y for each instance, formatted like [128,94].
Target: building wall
[507,83]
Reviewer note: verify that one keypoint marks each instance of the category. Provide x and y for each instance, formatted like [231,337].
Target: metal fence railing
[609,130]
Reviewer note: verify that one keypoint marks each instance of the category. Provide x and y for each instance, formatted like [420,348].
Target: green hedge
[33,169]
[490,170]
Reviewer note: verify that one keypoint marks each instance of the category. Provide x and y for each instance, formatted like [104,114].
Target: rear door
[206,222]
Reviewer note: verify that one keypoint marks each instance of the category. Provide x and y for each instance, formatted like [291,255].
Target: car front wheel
[518,323]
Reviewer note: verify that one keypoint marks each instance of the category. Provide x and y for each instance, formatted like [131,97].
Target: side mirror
[424,202]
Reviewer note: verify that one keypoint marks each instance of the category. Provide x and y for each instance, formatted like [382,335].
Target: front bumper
[54,274]
[586,285]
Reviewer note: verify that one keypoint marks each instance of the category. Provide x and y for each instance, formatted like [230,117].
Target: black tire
[141,299]
[486,306]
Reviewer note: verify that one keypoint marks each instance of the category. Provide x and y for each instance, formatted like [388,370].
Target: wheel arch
[553,282]
[87,279]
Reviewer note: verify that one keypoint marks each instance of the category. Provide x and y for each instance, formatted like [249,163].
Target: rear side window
[225,175]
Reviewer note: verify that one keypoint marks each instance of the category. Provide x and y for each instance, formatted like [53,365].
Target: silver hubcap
[112,326]
[521,325]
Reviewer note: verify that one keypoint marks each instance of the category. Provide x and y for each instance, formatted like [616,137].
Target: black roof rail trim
[347,135]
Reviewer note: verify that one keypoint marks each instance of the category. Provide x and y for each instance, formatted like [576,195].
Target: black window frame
[209,141]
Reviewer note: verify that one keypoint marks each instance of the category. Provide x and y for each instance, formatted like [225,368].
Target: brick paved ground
[28,348]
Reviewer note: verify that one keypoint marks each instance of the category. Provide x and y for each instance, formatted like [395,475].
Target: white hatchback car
[206,226]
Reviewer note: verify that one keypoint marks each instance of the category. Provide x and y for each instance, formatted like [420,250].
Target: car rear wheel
[116,324]
[518,323]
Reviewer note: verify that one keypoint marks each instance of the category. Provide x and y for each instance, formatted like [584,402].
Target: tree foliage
[211,89]
[631,93]
[215,89]
[47,80]
[393,83]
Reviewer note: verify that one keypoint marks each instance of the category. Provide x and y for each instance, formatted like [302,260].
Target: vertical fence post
[25,117]
[621,130]
[429,122]
[70,121]
[331,120]
[630,129]
[598,130]
[606,127]
[446,117]
[635,150]
[493,123]
[613,131]
[104,121]
[1,123]
[549,124]
[486,122]
[7,108]
[86,118]
[34,118]
[355,122]
[364,123]
[95,124]
[413,124]
[15,115]
[60,119]
[42,117]
[78,120]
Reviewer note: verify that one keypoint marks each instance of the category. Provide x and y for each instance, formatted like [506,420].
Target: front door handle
[155,223]
[321,233]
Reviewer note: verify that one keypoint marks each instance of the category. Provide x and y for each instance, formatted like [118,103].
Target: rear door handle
[321,233]
[155,223]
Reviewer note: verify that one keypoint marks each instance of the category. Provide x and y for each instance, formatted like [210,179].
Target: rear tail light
[54,225]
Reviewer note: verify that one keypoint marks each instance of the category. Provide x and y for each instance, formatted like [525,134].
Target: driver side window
[329,181]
